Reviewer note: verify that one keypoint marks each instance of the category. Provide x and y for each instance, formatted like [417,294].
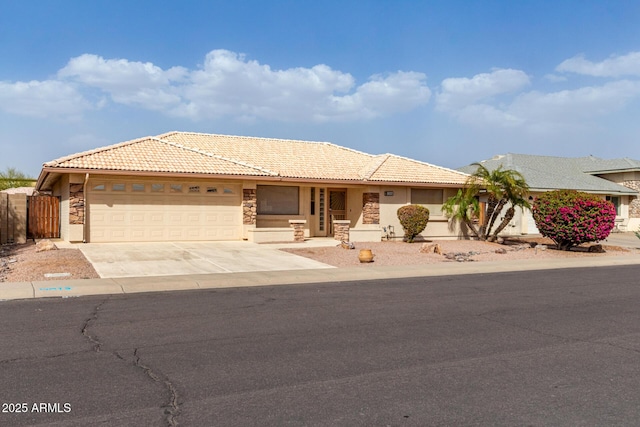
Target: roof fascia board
[603,192]
[609,171]
[94,172]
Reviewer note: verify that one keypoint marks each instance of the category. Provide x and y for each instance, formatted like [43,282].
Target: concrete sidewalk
[127,285]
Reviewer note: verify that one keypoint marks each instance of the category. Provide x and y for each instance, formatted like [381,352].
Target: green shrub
[413,219]
[637,233]
[570,217]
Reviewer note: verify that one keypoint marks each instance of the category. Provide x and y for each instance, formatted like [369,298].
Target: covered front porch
[282,212]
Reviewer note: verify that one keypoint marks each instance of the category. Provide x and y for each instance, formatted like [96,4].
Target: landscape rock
[431,248]
[347,245]
[596,249]
[501,251]
[461,256]
[45,245]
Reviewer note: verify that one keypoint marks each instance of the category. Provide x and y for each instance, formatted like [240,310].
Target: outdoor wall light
[388,193]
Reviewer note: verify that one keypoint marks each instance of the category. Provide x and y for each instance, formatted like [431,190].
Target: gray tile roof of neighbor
[555,173]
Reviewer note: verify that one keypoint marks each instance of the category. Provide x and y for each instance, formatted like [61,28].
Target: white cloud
[554,78]
[614,66]
[483,115]
[456,93]
[42,99]
[472,101]
[131,83]
[575,105]
[380,96]
[229,85]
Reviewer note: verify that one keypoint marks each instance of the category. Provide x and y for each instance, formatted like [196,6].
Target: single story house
[617,180]
[182,186]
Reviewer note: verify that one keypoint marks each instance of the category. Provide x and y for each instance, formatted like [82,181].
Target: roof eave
[591,191]
[607,171]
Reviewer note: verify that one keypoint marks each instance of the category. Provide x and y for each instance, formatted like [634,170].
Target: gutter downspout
[86,205]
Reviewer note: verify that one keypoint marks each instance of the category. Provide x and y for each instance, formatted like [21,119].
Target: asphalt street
[554,347]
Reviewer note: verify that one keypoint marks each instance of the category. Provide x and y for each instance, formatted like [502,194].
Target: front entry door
[337,207]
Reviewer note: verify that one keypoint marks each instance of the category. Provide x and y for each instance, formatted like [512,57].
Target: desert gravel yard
[21,263]
[400,253]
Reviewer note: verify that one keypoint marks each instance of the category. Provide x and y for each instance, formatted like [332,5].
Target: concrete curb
[114,286]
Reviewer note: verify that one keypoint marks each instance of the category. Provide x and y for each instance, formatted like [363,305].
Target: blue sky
[446,82]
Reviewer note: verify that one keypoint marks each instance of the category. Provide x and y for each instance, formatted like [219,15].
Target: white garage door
[129,211]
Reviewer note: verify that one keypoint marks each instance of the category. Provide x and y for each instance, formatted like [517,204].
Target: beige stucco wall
[438,226]
[61,189]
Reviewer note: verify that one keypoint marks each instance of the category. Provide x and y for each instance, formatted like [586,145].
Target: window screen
[426,196]
[277,200]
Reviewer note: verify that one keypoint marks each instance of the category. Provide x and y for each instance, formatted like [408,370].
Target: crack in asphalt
[172,407]
[85,328]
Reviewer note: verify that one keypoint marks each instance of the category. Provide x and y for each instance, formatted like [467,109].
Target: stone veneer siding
[249,206]
[634,201]
[298,230]
[76,204]
[341,230]
[371,208]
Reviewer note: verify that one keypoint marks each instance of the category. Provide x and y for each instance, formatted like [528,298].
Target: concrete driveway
[626,240]
[167,258]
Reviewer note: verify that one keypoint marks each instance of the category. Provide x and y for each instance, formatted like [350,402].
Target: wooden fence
[43,217]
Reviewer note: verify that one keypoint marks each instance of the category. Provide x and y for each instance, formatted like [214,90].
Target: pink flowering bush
[570,218]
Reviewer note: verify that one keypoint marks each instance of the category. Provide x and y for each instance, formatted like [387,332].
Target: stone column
[76,204]
[341,229]
[371,208]
[298,229]
[634,201]
[249,206]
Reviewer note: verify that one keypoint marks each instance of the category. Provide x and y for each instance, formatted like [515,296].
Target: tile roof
[182,152]
[552,173]
[402,169]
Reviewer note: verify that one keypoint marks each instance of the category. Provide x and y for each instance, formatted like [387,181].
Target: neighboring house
[617,180]
[191,186]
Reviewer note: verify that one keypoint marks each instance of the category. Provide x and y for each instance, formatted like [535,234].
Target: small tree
[12,178]
[463,207]
[504,188]
[413,219]
[570,217]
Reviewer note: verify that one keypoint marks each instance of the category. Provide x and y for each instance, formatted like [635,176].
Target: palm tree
[463,207]
[503,187]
